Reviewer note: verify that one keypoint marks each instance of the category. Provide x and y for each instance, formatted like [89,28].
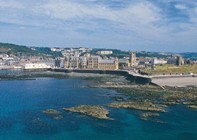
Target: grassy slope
[17,49]
[14,49]
[173,69]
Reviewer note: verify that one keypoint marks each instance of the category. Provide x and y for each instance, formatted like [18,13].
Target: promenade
[132,77]
[175,80]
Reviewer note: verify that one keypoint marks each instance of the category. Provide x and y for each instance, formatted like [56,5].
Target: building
[105,64]
[71,59]
[156,61]
[172,60]
[76,60]
[133,59]
[83,62]
[104,52]
[32,66]
[179,60]
[57,62]
[93,62]
[123,63]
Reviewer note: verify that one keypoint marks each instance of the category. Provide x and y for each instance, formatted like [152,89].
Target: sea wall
[139,79]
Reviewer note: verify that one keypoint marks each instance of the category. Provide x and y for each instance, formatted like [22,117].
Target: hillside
[24,50]
[121,54]
[15,49]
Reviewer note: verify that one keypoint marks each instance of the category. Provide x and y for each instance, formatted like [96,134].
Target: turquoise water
[22,103]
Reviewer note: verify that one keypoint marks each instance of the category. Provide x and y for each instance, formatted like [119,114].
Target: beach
[176,81]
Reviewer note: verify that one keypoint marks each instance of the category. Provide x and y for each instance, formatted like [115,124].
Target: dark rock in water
[51,111]
[117,98]
[93,111]
[38,126]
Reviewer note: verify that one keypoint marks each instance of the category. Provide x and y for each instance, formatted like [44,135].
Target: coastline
[157,80]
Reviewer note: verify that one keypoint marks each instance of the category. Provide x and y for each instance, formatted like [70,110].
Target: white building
[32,66]
[156,61]
[104,52]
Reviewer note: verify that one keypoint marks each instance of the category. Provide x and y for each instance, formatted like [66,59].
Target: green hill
[16,49]
[24,50]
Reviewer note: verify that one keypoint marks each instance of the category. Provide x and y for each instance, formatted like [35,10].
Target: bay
[22,103]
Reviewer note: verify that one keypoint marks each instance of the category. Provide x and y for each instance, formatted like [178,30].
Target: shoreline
[160,81]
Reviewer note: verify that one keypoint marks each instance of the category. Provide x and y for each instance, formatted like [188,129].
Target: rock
[94,111]
[148,106]
[59,117]
[193,106]
[51,111]
[147,115]
[117,98]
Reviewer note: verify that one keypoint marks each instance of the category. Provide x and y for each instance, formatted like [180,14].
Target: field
[172,69]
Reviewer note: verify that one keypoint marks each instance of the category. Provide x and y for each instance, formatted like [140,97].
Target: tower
[179,61]
[133,59]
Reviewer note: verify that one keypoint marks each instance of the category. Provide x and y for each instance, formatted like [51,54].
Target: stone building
[92,62]
[83,62]
[133,59]
[123,63]
[110,64]
[179,61]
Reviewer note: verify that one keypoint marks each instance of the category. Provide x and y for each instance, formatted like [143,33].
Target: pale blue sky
[149,25]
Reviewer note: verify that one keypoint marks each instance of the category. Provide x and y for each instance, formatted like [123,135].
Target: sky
[138,25]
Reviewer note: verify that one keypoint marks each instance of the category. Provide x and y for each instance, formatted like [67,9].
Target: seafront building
[31,66]
[77,59]
[111,64]
[90,62]
[123,63]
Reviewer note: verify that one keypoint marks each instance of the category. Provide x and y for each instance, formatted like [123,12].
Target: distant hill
[47,51]
[25,50]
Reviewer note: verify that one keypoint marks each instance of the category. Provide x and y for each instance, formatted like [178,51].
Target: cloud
[142,24]
[10,4]
[180,6]
[66,10]
[137,17]
[193,15]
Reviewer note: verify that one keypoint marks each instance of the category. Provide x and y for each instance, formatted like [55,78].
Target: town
[92,59]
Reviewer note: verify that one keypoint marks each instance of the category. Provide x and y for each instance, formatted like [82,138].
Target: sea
[22,103]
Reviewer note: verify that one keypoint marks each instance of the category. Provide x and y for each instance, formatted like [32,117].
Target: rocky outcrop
[56,115]
[94,111]
[147,106]
[148,115]
[51,111]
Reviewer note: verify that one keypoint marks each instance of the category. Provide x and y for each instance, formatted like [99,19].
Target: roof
[106,61]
